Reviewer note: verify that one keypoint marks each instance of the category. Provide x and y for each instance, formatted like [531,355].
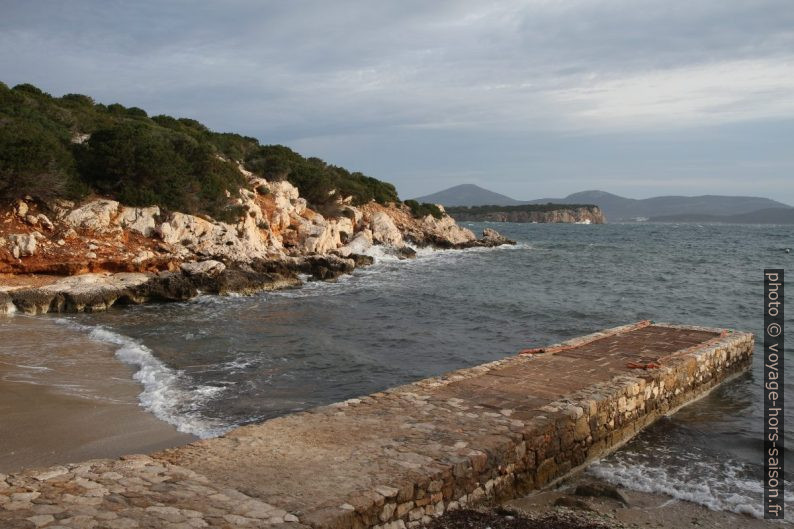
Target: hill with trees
[72,147]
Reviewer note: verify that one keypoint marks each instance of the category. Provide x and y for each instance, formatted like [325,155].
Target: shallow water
[217,362]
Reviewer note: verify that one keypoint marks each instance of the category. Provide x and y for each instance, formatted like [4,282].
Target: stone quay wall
[578,428]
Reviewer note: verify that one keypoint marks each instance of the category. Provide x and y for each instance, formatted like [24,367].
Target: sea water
[214,363]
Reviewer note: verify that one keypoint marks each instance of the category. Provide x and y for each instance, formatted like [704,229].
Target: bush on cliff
[422,210]
[34,162]
[176,163]
[318,181]
[143,165]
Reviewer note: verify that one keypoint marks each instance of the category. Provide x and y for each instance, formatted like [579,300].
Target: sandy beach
[65,398]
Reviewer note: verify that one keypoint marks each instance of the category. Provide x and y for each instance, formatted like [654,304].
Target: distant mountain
[616,207]
[468,195]
[763,216]
[620,208]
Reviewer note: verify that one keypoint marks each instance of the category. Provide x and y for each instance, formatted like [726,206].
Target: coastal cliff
[89,256]
[540,213]
[103,204]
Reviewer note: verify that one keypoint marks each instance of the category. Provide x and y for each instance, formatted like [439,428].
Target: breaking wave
[727,485]
[167,393]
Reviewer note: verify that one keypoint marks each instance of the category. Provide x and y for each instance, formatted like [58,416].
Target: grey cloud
[507,94]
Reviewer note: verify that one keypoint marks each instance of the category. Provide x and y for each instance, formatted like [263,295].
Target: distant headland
[706,208]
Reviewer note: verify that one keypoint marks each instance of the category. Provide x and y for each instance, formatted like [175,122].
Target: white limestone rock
[324,235]
[143,256]
[360,244]
[22,208]
[24,244]
[447,228]
[139,220]
[384,231]
[210,268]
[189,234]
[97,215]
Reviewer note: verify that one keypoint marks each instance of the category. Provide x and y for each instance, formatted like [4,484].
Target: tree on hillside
[33,162]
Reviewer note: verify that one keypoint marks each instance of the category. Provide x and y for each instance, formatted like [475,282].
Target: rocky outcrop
[189,235]
[116,254]
[441,232]
[94,292]
[24,244]
[360,244]
[96,215]
[6,303]
[139,220]
[203,268]
[384,230]
[491,238]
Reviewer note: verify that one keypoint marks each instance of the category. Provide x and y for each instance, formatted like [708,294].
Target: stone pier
[398,458]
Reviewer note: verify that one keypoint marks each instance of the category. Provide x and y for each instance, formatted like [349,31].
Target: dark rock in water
[167,286]
[204,274]
[492,238]
[88,300]
[247,281]
[406,252]
[6,303]
[33,300]
[92,293]
[361,259]
[242,278]
[601,490]
[235,280]
[325,267]
[280,267]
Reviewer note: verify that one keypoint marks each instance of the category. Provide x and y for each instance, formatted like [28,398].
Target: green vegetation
[422,210]
[176,163]
[318,181]
[481,210]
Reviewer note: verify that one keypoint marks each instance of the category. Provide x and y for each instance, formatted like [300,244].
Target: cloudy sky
[531,98]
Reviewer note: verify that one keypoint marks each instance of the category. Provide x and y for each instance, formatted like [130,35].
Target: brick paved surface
[398,458]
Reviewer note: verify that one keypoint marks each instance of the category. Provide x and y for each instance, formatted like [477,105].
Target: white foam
[386,268]
[166,392]
[720,487]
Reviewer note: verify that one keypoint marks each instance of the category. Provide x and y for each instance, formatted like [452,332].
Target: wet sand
[65,398]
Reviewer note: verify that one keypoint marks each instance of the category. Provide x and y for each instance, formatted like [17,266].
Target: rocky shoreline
[58,256]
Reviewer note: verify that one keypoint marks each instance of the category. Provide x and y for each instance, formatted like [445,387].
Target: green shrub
[317,181]
[77,100]
[135,112]
[422,210]
[34,162]
[30,89]
[143,165]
